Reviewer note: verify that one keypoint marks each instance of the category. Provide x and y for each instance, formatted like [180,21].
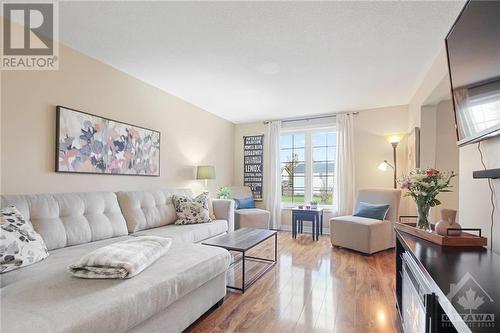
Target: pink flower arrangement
[424,186]
[431,172]
[405,184]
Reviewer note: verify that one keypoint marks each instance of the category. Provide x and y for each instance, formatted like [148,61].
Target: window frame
[308,163]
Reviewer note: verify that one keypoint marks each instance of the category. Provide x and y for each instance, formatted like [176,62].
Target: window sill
[329,208]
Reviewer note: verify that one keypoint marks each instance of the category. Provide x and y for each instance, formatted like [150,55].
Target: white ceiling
[248,61]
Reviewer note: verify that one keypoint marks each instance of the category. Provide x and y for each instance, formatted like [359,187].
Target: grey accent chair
[364,234]
[251,217]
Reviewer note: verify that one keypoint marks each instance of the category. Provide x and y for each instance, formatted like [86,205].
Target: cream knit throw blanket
[121,260]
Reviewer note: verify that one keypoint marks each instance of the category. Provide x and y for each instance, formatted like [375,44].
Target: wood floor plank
[314,287]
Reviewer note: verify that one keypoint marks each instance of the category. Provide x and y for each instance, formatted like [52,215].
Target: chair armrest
[224,210]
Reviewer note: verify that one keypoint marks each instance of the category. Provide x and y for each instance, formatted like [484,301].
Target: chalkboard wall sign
[253,153]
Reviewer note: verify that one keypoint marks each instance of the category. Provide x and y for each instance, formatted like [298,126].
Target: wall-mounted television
[473,49]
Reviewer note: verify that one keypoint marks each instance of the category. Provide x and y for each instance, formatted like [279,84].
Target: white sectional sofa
[166,297]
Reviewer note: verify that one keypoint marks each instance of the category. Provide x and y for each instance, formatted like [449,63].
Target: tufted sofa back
[149,209]
[67,219]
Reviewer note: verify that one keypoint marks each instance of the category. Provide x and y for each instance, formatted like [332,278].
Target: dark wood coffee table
[242,240]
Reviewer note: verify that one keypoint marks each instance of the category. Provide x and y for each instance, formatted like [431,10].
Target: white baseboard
[307,229]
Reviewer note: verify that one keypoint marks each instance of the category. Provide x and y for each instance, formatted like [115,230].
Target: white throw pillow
[20,245]
[191,211]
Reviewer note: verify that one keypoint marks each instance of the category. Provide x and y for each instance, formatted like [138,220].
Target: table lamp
[205,172]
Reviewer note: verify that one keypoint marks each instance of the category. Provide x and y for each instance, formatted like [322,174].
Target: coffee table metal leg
[275,247]
[271,263]
[243,273]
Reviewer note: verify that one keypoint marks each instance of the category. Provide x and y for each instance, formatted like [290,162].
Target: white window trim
[308,156]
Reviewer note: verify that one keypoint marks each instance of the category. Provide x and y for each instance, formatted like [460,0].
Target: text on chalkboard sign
[253,153]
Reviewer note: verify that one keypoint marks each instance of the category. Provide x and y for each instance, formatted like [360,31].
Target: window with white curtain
[307,160]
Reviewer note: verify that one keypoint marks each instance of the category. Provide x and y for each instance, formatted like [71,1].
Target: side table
[314,215]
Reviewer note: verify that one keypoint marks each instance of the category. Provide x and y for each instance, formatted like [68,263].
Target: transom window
[307,166]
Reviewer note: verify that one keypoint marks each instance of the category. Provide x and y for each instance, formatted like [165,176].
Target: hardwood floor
[312,288]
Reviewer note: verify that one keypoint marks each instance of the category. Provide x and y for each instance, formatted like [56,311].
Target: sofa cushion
[191,233]
[48,298]
[251,211]
[191,210]
[362,222]
[149,209]
[252,218]
[390,197]
[20,245]
[371,211]
[66,219]
[361,234]
[245,203]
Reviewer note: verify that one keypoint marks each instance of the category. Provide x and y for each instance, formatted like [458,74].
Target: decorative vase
[423,211]
[448,222]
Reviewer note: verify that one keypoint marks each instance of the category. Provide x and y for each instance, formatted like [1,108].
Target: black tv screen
[473,48]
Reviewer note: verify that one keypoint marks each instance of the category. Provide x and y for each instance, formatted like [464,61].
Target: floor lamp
[394,140]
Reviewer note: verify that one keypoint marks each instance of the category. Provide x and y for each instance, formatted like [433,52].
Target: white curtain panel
[344,170]
[273,198]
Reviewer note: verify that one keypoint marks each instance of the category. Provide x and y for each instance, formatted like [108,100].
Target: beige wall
[428,136]
[447,153]
[371,148]
[439,148]
[1,117]
[438,70]
[475,206]
[473,194]
[189,135]
[370,126]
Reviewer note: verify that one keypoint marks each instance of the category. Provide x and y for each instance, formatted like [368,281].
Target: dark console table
[458,287]
[315,215]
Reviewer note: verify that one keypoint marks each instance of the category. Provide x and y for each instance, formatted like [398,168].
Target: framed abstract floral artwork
[87,143]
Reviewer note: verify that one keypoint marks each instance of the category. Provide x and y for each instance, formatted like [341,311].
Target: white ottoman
[361,234]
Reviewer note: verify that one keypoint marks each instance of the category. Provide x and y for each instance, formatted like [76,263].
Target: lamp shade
[205,172]
[384,166]
[394,138]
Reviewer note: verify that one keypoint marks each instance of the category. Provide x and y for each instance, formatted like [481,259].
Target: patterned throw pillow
[191,211]
[20,245]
